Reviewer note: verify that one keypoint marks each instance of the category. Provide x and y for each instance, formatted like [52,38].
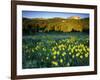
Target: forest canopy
[30,26]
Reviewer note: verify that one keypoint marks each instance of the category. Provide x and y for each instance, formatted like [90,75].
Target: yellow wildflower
[47,58]
[84,49]
[44,49]
[54,57]
[86,55]
[61,60]
[77,54]
[32,50]
[58,52]
[63,48]
[54,52]
[70,53]
[81,56]
[55,63]
[76,50]
[73,56]
[72,50]
[87,49]
[68,64]
[64,53]
[53,49]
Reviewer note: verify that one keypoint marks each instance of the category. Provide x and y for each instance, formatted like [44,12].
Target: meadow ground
[55,49]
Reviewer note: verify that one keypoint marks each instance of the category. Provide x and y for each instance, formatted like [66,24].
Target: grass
[55,49]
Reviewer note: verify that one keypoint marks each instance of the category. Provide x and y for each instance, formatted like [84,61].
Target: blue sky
[42,14]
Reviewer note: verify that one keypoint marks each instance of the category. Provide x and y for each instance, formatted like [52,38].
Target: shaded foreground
[55,49]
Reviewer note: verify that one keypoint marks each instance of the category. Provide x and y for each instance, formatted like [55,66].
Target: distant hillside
[74,17]
[73,23]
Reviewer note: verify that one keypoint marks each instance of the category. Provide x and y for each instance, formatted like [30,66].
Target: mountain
[74,17]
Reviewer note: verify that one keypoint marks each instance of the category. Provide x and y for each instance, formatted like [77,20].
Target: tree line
[30,26]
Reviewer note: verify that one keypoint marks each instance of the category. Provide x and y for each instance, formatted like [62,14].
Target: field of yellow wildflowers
[55,50]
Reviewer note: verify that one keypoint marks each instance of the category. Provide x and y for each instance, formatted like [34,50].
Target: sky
[42,14]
